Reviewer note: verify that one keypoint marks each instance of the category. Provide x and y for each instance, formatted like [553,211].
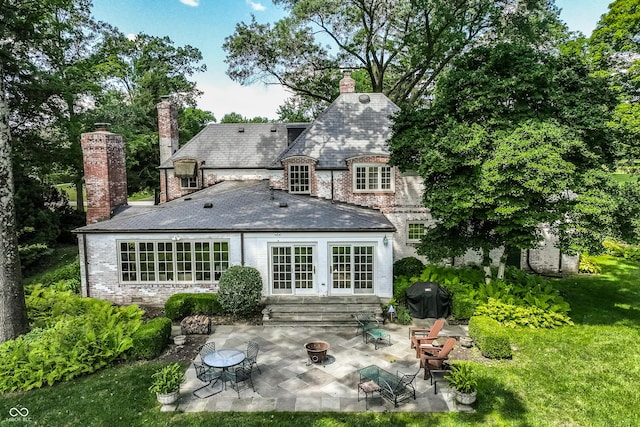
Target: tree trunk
[79,195]
[13,309]
[486,266]
[503,263]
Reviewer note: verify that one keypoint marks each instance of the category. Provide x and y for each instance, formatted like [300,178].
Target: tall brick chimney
[105,172]
[347,84]
[167,128]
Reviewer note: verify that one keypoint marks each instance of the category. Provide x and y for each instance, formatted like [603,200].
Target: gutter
[86,264]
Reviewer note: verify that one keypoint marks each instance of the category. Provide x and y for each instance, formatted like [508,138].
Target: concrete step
[318,311]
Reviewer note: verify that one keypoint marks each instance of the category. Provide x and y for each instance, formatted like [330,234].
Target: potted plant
[464,380]
[166,383]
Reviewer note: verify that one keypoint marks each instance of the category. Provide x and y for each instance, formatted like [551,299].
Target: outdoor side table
[377,335]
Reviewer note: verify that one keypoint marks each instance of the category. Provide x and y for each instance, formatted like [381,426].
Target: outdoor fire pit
[317,351]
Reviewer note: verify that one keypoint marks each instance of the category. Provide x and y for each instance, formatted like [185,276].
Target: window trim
[379,177]
[299,175]
[409,224]
[192,183]
[217,261]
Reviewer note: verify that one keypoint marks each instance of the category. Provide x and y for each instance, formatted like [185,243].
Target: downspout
[86,264]
[166,187]
[242,248]
[332,185]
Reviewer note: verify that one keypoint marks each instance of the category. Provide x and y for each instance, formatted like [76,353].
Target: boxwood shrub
[179,306]
[491,337]
[240,290]
[150,339]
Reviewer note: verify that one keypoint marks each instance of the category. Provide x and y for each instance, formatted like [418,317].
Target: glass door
[292,270]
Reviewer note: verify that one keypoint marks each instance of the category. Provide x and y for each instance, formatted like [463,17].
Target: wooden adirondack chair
[425,336]
[431,357]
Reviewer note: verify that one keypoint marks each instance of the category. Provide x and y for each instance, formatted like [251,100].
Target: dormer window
[372,177]
[299,179]
[189,183]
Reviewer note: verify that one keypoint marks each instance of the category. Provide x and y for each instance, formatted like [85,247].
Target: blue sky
[204,24]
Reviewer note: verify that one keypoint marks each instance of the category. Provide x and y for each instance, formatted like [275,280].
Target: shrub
[403,315]
[400,287]
[31,255]
[622,250]
[408,267]
[73,343]
[512,316]
[490,337]
[589,265]
[240,290]
[150,339]
[179,306]
[462,307]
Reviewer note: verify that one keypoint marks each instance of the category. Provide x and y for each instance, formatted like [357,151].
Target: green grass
[582,375]
[621,177]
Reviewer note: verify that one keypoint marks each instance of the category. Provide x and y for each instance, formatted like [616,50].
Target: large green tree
[516,137]
[140,71]
[400,45]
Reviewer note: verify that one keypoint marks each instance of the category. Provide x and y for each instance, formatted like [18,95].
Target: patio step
[318,311]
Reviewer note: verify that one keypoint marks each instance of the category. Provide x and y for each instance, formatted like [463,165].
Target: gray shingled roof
[355,124]
[225,146]
[244,206]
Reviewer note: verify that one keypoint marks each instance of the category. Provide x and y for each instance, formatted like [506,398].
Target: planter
[168,398]
[179,339]
[465,398]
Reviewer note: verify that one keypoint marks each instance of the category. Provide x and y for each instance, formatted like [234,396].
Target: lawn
[582,375]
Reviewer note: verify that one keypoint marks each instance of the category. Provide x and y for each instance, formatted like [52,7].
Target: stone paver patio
[289,383]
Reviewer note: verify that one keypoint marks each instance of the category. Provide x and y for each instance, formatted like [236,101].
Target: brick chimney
[167,128]
[105,172]
[347,84]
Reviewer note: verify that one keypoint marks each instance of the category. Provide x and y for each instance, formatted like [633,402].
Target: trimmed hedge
[490,337]
[150,339]
[240,290]
[408,267]
[179,306]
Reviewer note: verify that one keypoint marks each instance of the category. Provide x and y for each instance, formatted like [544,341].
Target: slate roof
[244,206]
[355,124]
[223,145]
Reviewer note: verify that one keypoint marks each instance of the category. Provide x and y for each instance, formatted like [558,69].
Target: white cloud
[192,3]
[223,97]
[256,6]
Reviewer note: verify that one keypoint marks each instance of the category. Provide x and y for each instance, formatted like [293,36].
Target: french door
[292,270]
[352,269]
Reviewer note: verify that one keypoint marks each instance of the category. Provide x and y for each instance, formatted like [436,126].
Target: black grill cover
[428,299]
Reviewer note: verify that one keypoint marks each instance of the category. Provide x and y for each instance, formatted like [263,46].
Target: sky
[205,24]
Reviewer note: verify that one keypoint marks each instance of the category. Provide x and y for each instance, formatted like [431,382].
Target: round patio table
[224,358]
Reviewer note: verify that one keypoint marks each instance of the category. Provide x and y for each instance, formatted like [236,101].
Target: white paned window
[299,179]
[372,177]
[415,231]
[167,261]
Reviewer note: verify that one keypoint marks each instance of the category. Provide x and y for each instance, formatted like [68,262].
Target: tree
[239,118]
[400,45]
[140,71]
[191,121]
[515,137]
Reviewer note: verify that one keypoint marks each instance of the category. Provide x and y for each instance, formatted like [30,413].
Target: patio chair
[207,375]
[252,354]
[366,321]
[401,390]
[206,348]
[240,375]
[432,358]
[420,336]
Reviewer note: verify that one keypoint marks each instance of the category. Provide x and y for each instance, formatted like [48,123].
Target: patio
[289,383]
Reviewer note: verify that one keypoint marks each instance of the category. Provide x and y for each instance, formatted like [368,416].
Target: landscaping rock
[199,324]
